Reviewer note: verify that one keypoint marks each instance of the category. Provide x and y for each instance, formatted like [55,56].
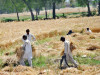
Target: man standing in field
[67,53]
[27,52]
[31,38]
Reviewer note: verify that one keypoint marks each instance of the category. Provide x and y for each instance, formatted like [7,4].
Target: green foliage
[1,63]
[94,12]
[40,61]
[82,3]
[87,60]
[7,20]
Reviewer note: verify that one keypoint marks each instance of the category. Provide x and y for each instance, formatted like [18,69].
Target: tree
[72,2]
[85,3]
[99,7]
[11,6]
[97,2]
[54,6]
[15,9]
[28,3]
[45,3]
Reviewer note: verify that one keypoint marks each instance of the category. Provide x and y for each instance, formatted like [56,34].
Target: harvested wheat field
[48,48]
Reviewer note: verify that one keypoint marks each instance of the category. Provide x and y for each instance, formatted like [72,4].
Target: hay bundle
[60,33]
[96,30]
[33,50]
[39,36]
[75,34]
[72,47]
[19,52]
[22,70]
[11,60]
[71,70]
[55,32]
[51,34]
[45,35]
[7,69]
[93,47]
[92,37]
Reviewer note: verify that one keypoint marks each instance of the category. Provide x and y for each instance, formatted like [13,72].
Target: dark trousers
[63,58]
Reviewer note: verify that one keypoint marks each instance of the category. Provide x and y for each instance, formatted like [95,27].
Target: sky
[67,0]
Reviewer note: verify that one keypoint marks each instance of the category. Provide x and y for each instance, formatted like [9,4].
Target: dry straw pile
[19,70]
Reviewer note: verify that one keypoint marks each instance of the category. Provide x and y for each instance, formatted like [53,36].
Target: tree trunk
[18,16]
[46,15]
[99,8]
[54,13]
[16,10]
[36,15]
[30,9]
[89,11]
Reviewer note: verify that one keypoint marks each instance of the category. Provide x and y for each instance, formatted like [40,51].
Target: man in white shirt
[67,52]
[27,52]
[89,31]
[30,37]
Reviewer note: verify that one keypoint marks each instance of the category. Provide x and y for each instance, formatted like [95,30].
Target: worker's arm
[33,38]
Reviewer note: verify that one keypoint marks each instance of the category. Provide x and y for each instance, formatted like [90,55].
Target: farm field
[48,47]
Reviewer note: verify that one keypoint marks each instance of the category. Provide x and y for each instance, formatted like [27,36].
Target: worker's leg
[73,61]
[22,62]
[66,61]
[30,62]
[61,61]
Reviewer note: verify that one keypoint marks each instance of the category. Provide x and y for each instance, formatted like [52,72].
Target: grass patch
[87,60]
[1,63]
[40,61]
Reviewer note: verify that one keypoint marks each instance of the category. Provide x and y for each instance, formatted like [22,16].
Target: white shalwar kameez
[30,37]
[89,31]
[27,54]
[69,56]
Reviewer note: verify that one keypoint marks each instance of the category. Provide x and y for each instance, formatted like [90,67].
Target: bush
[7,20]
[83,14]
[94,12]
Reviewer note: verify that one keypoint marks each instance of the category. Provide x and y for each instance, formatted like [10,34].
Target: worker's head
[87,28]
[62,39]
[27,31]
[70,32]
[24,37]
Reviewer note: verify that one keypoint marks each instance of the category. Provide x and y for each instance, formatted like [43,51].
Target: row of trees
[86,3]
[16,6]
[30,5]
